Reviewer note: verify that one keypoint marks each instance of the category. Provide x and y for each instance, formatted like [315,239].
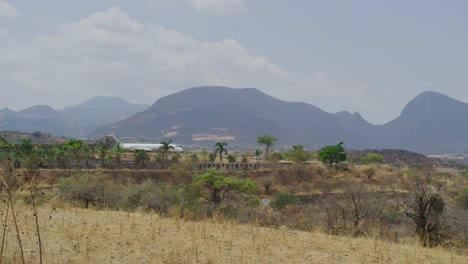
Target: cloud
[3,32]
[7,10]
[206,6]
[218,6]
[109,53]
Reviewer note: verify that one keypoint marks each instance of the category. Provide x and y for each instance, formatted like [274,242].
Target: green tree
[72,152]
[215,186]
[283,199]
[298,154]
[268,141]
[141,157]
[332,154]
[165,148]
[220,148]
[26,147]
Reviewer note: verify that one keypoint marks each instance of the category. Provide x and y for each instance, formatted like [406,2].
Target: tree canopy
[268,141]
[298,154]
[332,154]
[216,186]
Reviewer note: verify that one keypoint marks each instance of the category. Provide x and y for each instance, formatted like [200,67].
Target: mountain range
[72,121]
[430,123]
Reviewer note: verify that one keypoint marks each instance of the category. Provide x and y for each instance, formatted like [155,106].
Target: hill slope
[237,115]
[119,237]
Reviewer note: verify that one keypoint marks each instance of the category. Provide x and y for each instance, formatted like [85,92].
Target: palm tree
[166,146]
[268,141]
[219,147]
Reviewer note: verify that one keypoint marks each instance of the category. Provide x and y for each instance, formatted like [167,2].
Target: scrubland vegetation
[292,213]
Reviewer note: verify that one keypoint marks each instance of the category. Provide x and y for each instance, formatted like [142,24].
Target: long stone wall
[98,163]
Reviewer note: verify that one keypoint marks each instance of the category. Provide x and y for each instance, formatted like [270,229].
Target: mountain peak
[39,111]
[430,103]
[99,101]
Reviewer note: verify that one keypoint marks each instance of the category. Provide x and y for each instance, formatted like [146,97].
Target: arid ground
[71,235]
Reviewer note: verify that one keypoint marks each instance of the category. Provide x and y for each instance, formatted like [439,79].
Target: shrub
[427,209]
[176,157]
[462,198]
[283,199]
[372,158]
[244,158]
[90,189]
[369,172]
[136,194]
[161,199]
[464,173]
[276,156]
[231,158]
[267,183]
[353,211]
[193,157]
[212,157]
[298,154]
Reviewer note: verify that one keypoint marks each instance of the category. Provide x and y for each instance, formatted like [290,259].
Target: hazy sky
[369,56]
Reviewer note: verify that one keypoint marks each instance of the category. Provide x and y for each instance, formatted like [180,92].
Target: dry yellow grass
[88,236]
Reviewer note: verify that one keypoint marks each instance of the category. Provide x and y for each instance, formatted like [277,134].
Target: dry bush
[426,209]
[92,189]
[355,211]
[267,184]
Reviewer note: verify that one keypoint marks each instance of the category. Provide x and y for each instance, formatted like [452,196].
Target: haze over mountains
[72,121]
[430,123]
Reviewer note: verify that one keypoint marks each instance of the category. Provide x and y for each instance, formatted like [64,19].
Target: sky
[364,56]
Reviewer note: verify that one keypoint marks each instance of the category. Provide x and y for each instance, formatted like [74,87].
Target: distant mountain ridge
[72,121]
[430,123]
[219,113]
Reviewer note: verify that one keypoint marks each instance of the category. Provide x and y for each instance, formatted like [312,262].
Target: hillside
[395,157]
[87,236]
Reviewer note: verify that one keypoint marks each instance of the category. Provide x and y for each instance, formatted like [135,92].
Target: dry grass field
[72,235]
